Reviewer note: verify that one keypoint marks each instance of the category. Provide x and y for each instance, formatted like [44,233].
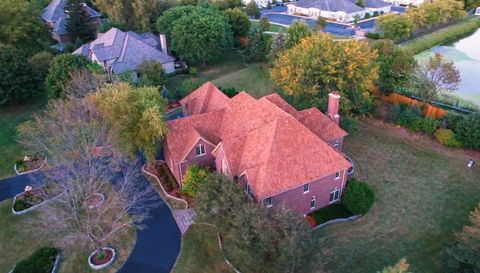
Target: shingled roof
[330,5]
[264,138]
[125,50]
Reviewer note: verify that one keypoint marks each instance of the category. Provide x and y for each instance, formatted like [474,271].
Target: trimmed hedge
[41,261]
[359,197]
[442,36]
[447,138]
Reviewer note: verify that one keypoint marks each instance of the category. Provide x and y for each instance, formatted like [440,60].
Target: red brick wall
[299,201]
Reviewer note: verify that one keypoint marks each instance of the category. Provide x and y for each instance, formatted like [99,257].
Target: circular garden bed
[101,258]
[95,200]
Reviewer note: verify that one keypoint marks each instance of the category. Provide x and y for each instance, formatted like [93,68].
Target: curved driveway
[157,245]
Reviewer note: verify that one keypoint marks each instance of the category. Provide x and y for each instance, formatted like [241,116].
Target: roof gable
[205,99]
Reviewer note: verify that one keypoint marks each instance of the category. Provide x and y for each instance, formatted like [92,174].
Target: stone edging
[31,171]
[55,265]
[102,266]
[32,207]
[161,186]
[340,220]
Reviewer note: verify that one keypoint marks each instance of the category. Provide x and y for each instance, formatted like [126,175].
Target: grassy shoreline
[442,35]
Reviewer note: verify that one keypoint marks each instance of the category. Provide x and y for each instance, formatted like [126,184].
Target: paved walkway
[184,218]
[157,246]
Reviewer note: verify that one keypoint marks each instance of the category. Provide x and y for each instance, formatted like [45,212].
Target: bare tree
[84,82]
[101,194]
[435,76]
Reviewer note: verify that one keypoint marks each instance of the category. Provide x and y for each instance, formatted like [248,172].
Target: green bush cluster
[373,36]
[359,197]
[411,118]
[447,138]
[441,36]
[349,124]
[41,261]
[194,177]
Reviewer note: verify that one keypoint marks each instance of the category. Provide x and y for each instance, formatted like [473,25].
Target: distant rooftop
[330,5]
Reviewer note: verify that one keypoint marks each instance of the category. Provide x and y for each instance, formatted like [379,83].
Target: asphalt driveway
[157,245]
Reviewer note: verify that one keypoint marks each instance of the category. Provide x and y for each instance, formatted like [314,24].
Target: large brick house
[280,156]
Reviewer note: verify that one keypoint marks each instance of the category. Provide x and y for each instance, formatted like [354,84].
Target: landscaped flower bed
[95,200]
[29,199]
[168,181]
[332,212]
[43,260]
[29,164]
[101,258]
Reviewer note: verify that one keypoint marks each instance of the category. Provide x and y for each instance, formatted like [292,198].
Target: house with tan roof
[280,156]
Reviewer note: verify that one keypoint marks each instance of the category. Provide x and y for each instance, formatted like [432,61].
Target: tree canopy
[59,73]
[296,32]
[194,177]
[395,27]
[198,34]
[239,22]
[396,66]
[318,65]
[77,23]
[151,73]
[252,9]
[256,49]
[136,116]
[18,79]
[400,267]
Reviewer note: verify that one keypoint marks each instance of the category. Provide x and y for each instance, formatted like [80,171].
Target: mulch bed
[32,163]
[168,181]
[105,259]
[323,215]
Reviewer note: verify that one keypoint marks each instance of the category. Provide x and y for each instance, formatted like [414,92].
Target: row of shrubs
[452,130]
[441,36]
[41,261]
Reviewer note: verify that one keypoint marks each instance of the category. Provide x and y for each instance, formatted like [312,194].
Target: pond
[465,53]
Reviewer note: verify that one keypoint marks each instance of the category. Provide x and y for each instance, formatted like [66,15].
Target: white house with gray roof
[119,52]
[372,6]
[56,18]
[337,10]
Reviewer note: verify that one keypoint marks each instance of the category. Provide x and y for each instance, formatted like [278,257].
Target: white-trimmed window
[248,190]
[306,188]
[334,195]
[268,201]
[224,166]
[200,149]
[337,175]
[313,203]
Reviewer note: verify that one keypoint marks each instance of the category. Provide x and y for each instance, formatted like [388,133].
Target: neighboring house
[280,156]
[260,3]
[337,10]
[120,52]
[56,18]
[379,6]
[415,3]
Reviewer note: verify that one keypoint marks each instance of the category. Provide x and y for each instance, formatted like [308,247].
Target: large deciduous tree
[20,25]
[296,32]
[465,253]
[318,65]
[136,116]
[252,9]
[239,22]
[202,35]
[277,47]
[77,23]
[257,239]
[151,73]
[18,79]
[435,76]
[59,73]
[256,49]
[395,27]
[396,66]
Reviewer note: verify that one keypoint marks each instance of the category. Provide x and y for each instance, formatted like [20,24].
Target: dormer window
[306,188]
[337,175]
[200,150]
[268,201]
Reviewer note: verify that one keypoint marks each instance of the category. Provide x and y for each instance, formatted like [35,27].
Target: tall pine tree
[77,22]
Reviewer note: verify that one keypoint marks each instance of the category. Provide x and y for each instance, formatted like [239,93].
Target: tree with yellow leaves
[319,65]
[135,116]
[400,267]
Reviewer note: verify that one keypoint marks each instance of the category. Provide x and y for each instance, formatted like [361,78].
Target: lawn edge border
[339,220]
[31,171]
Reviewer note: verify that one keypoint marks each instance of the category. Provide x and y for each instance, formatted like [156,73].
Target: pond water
[465,53]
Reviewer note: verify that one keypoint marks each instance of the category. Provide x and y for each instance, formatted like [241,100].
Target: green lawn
[200,252]
[423,193]
[272,28]
[19,238]
[231,71]
[10,117]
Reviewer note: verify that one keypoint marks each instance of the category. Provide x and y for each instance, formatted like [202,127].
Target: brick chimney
[163,43]
[333,106]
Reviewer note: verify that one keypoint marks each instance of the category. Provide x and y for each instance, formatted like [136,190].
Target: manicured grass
[331,212]
[423,193]
[231,71]
[272,28]
[19,238]
[200,252]
[443,35]
[10,118]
